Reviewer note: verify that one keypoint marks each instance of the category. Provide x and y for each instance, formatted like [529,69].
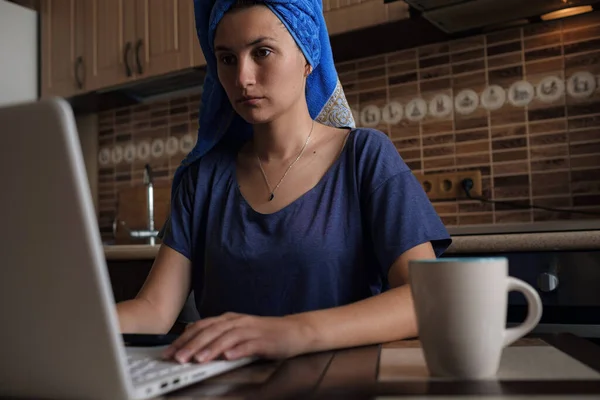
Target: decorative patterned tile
[547,153]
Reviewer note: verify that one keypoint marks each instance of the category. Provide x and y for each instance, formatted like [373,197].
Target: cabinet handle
[78,65]
[128,71]
[138,46]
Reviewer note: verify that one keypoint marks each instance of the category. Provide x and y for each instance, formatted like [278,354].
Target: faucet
[150,233]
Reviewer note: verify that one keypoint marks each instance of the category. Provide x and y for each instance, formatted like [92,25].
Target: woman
[293,228]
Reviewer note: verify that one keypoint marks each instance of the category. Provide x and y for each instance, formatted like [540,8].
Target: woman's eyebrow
[254,42]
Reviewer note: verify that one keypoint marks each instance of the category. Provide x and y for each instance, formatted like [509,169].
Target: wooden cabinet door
[163,36]
[62,42]
[110,42]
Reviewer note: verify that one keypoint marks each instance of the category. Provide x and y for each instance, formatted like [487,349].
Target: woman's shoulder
[210,168]
[375,153]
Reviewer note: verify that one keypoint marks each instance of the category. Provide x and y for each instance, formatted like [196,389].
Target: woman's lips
[250,101]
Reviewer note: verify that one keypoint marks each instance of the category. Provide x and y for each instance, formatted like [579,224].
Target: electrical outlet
[448,185]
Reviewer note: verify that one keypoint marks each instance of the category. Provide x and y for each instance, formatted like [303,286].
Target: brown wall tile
[585,161]
[514,168]
[433,50]
[585,61]
[540,54]
[402,68]
[402,56]
[512,216]
[461,45]
[438,163]
[479,134]
[550,139]
[551,66]
[503,48]
[446,208]
[470,123]
[435,140]
[580,47]
[504,60]
[371,73]
[542,41]
[472,147]
[508,115]
[505,76]
[546,113]
[479,159]
[433,61]
[543,153]
[467,55]
[474,207]
[437,127]
[435,85]
[435,72]
[552,164]
[404,131]
[511,155]
[503,36]
[470,219]
[541,28]
[584,136]
[373,83]
[508,131]
[449,220]
[465,67]
[374,62]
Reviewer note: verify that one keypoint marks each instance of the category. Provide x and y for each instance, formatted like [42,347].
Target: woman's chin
[255,116]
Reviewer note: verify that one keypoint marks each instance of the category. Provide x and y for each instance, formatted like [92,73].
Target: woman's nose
[246,74]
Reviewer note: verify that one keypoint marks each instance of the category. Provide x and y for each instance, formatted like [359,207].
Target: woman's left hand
[237,335]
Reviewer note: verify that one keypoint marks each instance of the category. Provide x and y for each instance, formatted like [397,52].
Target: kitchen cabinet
[110,39]
[131,40]
[89,45]
[348,15]
[164,36]
[62,47]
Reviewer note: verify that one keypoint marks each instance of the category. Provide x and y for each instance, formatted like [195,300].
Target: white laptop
[59,335]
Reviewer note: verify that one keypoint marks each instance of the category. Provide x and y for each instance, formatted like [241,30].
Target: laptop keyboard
[143,368]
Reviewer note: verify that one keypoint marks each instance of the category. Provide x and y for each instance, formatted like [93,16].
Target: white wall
[18,54]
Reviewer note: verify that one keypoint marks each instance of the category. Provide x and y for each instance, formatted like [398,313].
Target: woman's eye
[261,53]
[227,60]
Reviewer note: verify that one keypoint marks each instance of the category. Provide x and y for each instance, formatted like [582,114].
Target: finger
[246,348]
[203,338]
[193,330]
[225,342]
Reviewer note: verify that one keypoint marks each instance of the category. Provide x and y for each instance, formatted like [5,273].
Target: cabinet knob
[547,282]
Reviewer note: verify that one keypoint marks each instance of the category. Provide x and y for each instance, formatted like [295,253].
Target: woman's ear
[308,70]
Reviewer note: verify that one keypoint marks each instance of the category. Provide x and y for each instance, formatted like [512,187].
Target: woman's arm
[159,302]
[382,318]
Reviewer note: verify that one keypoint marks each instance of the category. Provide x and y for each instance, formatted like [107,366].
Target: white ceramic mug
[461,305]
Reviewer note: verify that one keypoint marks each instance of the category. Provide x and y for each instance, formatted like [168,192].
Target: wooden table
[370,373]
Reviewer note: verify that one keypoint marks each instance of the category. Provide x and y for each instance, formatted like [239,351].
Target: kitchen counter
[462,244]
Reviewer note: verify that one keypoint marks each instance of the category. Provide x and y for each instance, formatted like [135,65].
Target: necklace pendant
[271,197]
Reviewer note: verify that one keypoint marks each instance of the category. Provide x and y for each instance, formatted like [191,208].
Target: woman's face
[258,63]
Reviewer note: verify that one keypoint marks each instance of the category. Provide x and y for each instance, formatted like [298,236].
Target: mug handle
[534,310]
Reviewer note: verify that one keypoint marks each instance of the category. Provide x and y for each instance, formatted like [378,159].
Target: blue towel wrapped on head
[324,94]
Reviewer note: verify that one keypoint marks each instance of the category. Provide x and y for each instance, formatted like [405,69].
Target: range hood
[180,83]
[456,16]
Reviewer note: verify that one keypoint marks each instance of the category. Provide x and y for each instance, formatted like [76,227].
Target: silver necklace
[272,191]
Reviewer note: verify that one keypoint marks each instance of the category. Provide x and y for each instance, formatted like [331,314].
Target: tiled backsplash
[521,105]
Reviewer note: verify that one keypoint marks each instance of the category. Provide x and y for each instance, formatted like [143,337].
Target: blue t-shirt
[332,246]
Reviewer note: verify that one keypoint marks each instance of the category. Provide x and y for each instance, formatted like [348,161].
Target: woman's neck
[282,138]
